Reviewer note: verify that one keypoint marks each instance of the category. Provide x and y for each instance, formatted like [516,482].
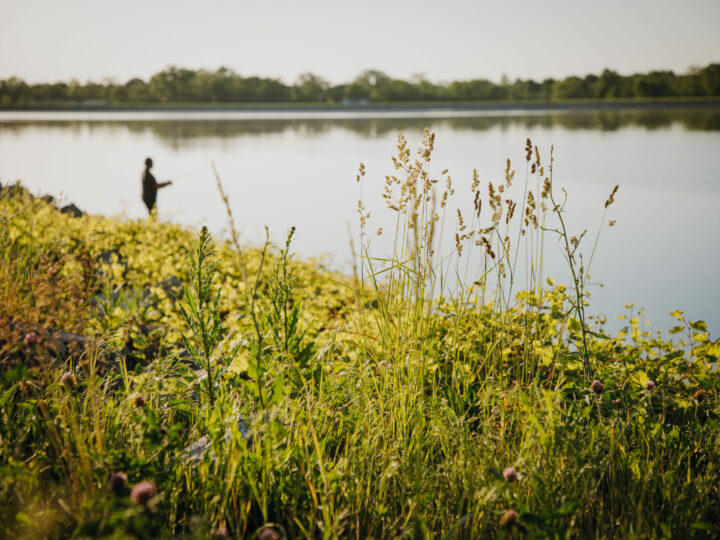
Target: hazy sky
[48,40]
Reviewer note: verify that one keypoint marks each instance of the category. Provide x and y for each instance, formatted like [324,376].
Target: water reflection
[176,132]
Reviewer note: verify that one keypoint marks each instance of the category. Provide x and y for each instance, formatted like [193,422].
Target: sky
[442,40]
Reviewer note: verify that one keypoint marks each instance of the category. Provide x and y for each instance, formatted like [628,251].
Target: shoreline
[459,107]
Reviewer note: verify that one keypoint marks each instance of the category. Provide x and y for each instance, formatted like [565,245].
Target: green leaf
[459,523]
[700,326]
[568,507]
[7,395]
[233,353]
[676,329]
[711,349]
[278,391]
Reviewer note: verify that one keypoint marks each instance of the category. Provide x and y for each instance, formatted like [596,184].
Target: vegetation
[449,395]
[185,86]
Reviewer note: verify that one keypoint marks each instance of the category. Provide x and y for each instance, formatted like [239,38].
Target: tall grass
[449,393]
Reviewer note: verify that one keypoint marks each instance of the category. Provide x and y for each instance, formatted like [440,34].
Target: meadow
[159,382]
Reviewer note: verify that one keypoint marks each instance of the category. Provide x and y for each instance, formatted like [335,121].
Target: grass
[434,395]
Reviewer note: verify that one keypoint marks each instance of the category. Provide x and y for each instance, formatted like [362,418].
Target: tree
[710,79]
[570,88]
[310,88]
[654,84]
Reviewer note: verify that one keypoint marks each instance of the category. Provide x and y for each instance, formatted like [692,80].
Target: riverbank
[299,402]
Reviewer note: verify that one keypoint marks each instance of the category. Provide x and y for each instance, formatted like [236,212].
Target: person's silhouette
[150,186]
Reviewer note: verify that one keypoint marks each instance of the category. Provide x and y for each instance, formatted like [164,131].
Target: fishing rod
[189,172]
[196,170]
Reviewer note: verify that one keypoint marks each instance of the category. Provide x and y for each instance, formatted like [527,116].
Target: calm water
[282,170]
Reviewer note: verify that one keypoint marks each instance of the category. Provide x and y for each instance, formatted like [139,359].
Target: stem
[202,301]
[256,324]
[579,307]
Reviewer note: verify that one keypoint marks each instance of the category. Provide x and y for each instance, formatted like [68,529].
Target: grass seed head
[509,173]
[547,188]
[361,171]
[611,198]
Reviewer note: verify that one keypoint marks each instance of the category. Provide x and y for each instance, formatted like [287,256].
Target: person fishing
[150,186]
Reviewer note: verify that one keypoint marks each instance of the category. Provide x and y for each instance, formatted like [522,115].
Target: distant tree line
[178,85]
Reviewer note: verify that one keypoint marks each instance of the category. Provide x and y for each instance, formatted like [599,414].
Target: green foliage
[387,406]
[281,355]
[201,312]
[179,85]
[282,314]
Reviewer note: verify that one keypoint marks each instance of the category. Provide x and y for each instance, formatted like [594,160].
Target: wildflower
[509,518]
[649,385]
[139,401]
[221,532]
[142,493]
[510,475]
[68,379]
[31,338]
[596,387]
[269,532]
[118,481]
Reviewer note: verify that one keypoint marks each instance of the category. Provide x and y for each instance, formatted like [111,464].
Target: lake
[298,168]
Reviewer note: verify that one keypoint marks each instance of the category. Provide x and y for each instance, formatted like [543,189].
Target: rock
[110,256]
[172,287]
[31,344]
[16,190]
[195,452]
[73,210]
